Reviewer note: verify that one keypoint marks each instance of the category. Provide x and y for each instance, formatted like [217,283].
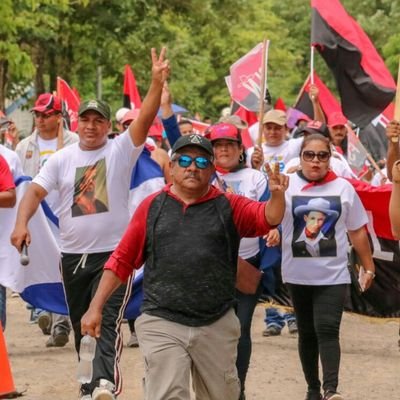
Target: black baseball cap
[193,140]
[96,105]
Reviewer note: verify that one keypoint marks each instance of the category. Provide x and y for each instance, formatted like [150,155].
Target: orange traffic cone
[7,387]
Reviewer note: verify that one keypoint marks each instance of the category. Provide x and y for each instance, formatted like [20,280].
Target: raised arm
[317,109]
[27,207]
[393,153]
[168,117]
[151,103]
[275,206]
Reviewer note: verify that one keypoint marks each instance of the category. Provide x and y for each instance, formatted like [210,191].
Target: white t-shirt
[94,193]
[46,149]
[320,260]
[13,161]
[282,153]
[252,184]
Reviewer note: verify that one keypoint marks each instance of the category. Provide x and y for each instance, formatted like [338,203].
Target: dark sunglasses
[200,162]
[322,156]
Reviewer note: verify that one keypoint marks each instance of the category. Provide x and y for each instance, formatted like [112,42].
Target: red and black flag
[365,85]
[131,94]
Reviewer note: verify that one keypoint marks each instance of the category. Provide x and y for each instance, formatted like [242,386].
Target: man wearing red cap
[34,151]
[338,131]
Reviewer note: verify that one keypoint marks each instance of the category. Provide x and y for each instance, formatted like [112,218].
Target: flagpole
[262,93]
[60,129]
[312,65]
[370,159]
[395,139]
[301,90]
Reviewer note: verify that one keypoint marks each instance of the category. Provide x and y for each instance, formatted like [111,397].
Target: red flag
[365,85]
[280,104]
[131,94]
[244,83]
[356,152]
[328,101]
[248,116]
[71,101]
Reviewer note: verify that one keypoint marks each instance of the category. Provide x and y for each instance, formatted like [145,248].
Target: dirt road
[370,367]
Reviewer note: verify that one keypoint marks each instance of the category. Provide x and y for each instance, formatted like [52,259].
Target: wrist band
[369,272]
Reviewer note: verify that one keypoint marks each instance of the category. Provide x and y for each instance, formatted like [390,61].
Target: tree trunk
[39,58]
[3,83]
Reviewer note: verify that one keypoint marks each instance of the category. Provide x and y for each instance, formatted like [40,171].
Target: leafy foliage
[75,39]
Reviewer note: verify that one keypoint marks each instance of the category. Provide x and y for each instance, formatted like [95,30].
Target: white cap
[121,113]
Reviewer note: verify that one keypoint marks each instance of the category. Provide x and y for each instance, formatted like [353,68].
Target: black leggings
[319,312]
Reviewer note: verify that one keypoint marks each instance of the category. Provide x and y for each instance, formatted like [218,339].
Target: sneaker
[86,397]
[292,326]
[133,340]
[313,395]
[333,396]
[59,339]
[44,322]
[104,391]
[272,330]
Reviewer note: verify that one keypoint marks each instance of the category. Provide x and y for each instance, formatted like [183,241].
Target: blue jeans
[3,306]
[244,311]
[274,317]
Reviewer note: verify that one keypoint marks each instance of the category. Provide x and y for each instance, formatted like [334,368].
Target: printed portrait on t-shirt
[314,221]
[90,191]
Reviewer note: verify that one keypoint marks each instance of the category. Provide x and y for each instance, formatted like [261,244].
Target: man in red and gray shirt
[188,235]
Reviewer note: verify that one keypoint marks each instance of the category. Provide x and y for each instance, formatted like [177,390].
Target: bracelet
[369,272]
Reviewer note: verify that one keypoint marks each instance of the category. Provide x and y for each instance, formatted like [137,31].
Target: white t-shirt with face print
[318,255]
[94,193]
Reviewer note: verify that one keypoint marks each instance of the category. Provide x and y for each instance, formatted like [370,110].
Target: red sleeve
[6,178]
[249,216]
[129,254]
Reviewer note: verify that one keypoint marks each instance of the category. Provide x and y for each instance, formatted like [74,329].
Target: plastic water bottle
[86,356]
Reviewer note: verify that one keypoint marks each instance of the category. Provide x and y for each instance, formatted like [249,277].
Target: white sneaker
[86,397]
[105,391]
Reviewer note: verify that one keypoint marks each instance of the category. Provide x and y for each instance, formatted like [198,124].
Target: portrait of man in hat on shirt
[316,237]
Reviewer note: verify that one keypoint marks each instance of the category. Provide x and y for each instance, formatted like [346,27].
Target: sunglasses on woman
[185,161]
[322,156]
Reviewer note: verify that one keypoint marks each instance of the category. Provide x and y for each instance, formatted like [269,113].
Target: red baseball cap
[223,131]
[337,118]
[47,103]
[130,116]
